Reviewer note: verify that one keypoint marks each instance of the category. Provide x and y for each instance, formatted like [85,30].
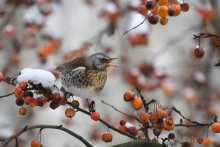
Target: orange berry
[143,10]
[137,103]
[129,95]
[122,128]
[75,104]
[184,7]
[155,10]
[23,85]
[144,117]
[63,101]
[107,137]
[163,20]
[177,9]
[162,11]
[41,101]
[28,100]
[1,77]
[154,118]
[168,124]
[33,103]
[19,95]
[22,111]
[56,96]
[18,91]
[161,113]
[113,16]
[70,112]
[35,143]
[95,116]
[206,141]
[163,2]
[216,127]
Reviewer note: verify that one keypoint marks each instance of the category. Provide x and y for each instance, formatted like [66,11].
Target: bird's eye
[102,60]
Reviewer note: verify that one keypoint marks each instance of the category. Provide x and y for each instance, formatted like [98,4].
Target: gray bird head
[99,61]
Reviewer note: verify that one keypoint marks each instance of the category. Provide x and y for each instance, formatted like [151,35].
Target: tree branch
[106,124]
[60,127]
[131,116]
[6,95]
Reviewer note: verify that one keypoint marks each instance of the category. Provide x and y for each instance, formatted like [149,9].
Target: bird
[85,76]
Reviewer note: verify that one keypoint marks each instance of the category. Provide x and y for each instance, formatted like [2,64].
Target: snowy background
[170,48]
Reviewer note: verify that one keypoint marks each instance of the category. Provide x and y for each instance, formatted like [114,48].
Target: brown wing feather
[71,65]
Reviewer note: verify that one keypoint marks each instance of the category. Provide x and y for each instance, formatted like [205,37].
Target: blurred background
[156,58]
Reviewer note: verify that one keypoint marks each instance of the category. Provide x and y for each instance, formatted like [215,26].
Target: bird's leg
[66,93]
[91,105]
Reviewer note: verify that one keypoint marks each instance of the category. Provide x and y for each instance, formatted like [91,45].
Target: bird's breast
[86,79]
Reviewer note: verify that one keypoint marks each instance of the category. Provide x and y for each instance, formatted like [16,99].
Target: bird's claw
[92,106]
[65,93]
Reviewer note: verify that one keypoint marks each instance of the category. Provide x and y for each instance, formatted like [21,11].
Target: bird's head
[100,61]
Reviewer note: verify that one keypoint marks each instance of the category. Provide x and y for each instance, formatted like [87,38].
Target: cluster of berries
[160,10]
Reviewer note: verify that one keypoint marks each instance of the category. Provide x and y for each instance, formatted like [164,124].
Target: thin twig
[135,26]
[105,123]
[189,120]
[205,35]
[144,102]
[60,127]
[6,95]
[131,116]
[176,39]
[193,125]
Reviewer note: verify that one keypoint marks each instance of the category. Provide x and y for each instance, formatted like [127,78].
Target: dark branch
[189,120]
[60,127]
[144,102]
[106,124]
[193,125]
[6,95]
[205,35]
[131,116]
[135,26]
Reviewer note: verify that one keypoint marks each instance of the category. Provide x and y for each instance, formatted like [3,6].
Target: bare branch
[131,116]
[193,125]
[135,26]
[105,123]
[60,127]
[189,120]
[6,95]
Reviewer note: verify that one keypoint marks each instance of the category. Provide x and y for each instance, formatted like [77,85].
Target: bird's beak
[109,61]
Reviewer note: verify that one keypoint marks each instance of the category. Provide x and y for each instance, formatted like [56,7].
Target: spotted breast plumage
[85,76]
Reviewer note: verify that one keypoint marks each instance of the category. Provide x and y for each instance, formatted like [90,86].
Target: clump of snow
[136,19]
[33,15]
[128,125]
[37,76]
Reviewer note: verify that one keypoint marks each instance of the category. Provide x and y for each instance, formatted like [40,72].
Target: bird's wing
[71,65]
